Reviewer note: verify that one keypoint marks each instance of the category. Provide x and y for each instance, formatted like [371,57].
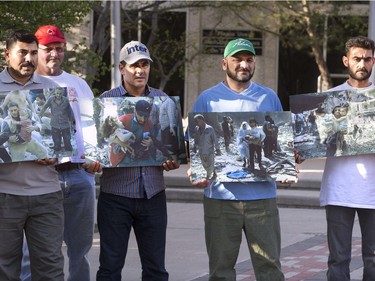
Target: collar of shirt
[6,78]
[127,94]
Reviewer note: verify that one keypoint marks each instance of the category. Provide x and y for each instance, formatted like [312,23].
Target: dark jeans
[255,150]
[57,134]
[148,217]
[4,155]
[340,222]
[168,140]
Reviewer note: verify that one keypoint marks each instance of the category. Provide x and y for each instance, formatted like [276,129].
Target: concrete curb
[303,194]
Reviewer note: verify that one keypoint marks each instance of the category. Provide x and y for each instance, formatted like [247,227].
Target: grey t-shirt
[27,178]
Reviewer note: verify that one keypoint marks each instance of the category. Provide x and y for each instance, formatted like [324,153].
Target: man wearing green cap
[230,208]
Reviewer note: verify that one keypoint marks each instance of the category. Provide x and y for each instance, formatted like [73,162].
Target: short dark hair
[360,42]
[11,104]
[41,96]
[20,35]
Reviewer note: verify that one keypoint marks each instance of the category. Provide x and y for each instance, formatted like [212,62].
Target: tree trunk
[326,82]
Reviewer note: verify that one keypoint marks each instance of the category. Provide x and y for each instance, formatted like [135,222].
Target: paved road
[304,249]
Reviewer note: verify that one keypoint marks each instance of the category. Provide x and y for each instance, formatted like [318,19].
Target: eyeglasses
[57,50]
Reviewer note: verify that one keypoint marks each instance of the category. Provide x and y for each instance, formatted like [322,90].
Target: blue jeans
[148,217]
[340,221]
[78,188]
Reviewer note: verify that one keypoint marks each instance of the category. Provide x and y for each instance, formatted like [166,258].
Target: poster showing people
[241,146]
[35,124]
[135,131]
[334,124]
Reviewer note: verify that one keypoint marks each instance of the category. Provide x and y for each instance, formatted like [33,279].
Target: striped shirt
[132,182]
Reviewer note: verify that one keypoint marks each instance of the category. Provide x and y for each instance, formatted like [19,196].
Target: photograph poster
[36,124]
[334,123]
[134,131]
[241,146]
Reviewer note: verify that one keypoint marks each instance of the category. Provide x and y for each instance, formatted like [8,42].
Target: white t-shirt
[349,181]
[83,104]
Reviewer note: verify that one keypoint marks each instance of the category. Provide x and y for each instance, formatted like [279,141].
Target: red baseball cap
[47,34]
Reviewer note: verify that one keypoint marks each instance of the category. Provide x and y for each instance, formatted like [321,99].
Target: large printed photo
[36,124]
[135,131]
[333,124]
[241,146]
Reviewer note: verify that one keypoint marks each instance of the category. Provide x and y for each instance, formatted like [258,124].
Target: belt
[67,166]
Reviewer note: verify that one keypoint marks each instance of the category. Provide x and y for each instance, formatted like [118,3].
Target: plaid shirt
[132,182]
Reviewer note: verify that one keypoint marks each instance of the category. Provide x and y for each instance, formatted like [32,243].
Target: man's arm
[215,141]
[5,103]
[30,104]
[172,113]
[45,106]
[36,126]
[4,134]
[262,135]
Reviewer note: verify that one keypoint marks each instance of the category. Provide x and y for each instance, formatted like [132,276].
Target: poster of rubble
[241,146]
[134,131]
[336,123]
[36,124]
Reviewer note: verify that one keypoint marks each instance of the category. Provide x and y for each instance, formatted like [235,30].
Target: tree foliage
[314,27]
[311,25]
[162,25]
[30,15]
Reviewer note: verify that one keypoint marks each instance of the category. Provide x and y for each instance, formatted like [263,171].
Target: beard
[360,77]
[241,79]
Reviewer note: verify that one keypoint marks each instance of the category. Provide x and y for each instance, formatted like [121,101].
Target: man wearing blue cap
[133,197]
[236,207]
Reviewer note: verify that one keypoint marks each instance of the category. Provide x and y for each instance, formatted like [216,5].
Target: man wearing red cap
[76,177]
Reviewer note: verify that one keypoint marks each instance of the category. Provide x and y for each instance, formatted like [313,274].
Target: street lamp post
[115,42]
[371,30]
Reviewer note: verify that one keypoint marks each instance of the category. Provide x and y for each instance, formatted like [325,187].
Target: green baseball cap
[238,45]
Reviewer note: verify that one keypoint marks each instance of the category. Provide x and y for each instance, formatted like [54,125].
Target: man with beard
[231,208]
[347,185]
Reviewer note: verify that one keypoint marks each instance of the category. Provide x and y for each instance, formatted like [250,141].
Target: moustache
[362,69]
[243,69]
[29,64]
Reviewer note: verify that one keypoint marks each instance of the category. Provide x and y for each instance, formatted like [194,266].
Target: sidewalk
[303,233]
[303,241]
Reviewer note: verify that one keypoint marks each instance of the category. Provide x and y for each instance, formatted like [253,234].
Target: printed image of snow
[37,124]
[334,124]
[241,146]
